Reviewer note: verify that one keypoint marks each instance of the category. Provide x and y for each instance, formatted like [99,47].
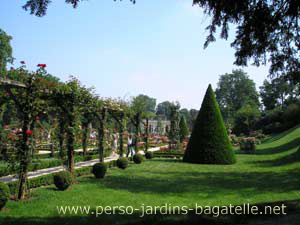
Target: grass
[267,177]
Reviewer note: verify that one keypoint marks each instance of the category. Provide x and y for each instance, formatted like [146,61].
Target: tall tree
[5,50]
[163,110]
[277,91]
[246,118]
[183,129]
[149,103]
[233,91]
[185,112]
[174,126]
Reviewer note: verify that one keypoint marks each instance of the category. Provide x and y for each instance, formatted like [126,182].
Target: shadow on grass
[211,184]
[280,135]
[285,160]
[173,216]
[278,149]
[167,160]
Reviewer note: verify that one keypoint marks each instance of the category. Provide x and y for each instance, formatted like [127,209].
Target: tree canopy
[266,31]
[5,50]
[163,109]
[277,92]
[233,91]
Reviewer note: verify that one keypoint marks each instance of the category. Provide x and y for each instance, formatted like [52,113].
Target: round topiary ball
[63,180]
[122,163]
[4,194]
[99,170]
[138,158]
[149,155]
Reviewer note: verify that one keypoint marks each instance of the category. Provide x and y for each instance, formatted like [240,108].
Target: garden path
[37,173]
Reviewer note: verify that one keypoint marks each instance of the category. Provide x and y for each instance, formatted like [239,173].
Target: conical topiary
[209,142]
[183,129]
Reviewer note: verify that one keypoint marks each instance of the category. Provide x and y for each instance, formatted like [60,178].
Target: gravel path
[37,173]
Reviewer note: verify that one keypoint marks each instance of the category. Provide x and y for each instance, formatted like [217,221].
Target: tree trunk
[85,137]
[101,126]
[101,141]
[146,135]
[121,137]
[24,152]
[61,137]
[137,124]
[70,142]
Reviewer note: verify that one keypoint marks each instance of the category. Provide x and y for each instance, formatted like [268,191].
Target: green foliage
[183,129]
[209,142]
[39,7]
[229,185]
[149,155]
[144,103]
[278,119]
[122,163]
[163,110]
[173,134]
[265,31]
[5,50]
[291,115]
[246,118]
[278,92]
[63,180]
[4,194]
[138,158]
[233,91]
[99,170]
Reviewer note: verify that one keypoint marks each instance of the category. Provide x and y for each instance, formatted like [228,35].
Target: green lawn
[271,175]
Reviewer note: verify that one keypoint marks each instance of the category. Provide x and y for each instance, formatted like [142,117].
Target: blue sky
[123,49]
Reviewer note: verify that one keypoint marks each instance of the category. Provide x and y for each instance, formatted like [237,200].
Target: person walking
[114,144]
[130,146]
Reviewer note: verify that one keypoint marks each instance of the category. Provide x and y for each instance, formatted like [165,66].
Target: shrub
[122,163]
[209,142]
[248,145]
[291,115]
[4,194]
[149,155]
[62,180]
[99,170]
[138,158]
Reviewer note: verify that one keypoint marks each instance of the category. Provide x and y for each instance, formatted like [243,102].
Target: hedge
[48,179]
[45,163]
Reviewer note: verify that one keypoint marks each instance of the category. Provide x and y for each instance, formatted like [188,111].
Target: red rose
[41,65]
[29,132]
